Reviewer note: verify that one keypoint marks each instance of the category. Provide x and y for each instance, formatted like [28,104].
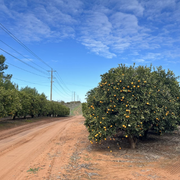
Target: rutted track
[61,150]
[20,148]
[13,131]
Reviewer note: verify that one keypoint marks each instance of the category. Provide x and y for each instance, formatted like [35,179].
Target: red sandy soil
[61,150]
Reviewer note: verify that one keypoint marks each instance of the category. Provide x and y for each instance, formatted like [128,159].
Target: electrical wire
[17,40]
[63,82]
[59,91]
[24,56]
[24,69]
[62,87]
[19,59]
[79,85]
[29,82]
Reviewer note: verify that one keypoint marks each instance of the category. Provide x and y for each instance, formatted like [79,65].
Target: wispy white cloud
[128,6]
[147,29]
[98,47]
[155,9]
[41,20]
[139,60]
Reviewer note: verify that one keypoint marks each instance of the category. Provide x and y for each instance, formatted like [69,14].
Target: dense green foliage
[84,108]
[20,103]
[27,101]
[133,101]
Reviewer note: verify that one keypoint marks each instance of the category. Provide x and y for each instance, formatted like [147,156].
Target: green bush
[133,101]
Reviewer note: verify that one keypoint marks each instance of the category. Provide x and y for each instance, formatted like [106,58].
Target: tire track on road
[21,152]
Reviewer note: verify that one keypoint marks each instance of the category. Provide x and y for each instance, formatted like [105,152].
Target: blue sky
[83,39]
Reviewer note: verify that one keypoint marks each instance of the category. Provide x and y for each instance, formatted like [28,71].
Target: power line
[63,82]
[60,91]
[19,59]
[79,85]
[29,82]
[60,94]
[17,40]
[62,87]
[23,56]
[24,69]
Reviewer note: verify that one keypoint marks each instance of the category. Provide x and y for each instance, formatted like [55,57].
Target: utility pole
[51,83]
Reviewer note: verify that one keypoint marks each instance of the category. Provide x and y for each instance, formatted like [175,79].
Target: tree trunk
[145,135]
[14,116]
[132,141]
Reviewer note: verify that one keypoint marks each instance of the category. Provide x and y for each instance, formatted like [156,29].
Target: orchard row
[28,102]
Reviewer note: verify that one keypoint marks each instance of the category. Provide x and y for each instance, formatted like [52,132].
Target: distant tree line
[26,101]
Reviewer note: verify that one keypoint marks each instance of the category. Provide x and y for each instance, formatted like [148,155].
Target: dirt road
[34,148]
[61,150]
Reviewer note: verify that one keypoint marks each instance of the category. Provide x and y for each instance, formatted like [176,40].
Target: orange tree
[130,100]
[84,107]
[25,100]
[9,102]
